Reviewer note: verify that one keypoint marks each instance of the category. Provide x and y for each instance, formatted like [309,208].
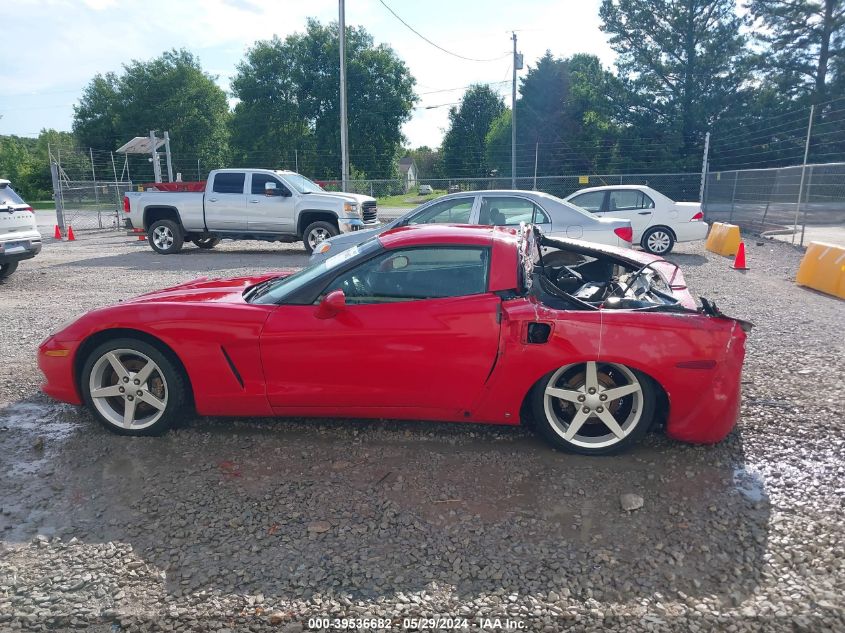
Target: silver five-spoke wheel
[128,389]
[594,407]
[163,237]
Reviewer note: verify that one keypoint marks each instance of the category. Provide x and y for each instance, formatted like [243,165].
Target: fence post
[806,204]
[701,190]
[803,169]
[57,194]
[733,197]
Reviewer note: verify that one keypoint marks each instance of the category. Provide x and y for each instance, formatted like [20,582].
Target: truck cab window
[229,182]
[259,180]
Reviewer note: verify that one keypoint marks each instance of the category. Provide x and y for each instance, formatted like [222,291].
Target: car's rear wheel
[593,408]
[132,387]
[166,237]
[206,242]
[658,240]
[317,232]
[7,269]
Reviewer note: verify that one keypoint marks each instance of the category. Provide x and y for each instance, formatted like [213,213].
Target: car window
[628,199]
[454,211]
[540,216]
[229,182]
[590,201]
[259,180]
[416,273]
[8,196]
[508,211]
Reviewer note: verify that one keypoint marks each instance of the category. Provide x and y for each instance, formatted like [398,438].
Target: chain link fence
[778,200]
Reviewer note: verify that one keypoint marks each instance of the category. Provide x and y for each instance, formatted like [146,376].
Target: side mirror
[270,189]
[331,305]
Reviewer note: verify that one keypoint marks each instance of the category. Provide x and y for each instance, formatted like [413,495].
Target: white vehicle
[247,204]
[19,236]
[507,207]
[658,222]
[425,190]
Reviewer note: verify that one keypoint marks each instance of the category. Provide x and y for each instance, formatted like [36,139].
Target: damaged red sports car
[591,344]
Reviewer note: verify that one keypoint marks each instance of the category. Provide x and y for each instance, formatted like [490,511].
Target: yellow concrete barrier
[723,239]
[823,269]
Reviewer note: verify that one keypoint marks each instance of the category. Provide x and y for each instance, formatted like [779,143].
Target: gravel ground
[229,525]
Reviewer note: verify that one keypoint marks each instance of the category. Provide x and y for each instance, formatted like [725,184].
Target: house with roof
[408,172]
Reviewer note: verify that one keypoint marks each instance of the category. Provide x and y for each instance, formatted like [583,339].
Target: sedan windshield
[277,290]
[302,184]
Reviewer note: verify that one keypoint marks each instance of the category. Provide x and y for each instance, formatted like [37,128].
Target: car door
[270,211]
[225,202]
[504,210]
[632,205]
[419,332]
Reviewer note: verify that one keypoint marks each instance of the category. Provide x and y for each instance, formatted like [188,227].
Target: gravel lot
[228,525]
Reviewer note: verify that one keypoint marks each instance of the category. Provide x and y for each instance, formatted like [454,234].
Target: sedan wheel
[132,387]
[658,241]
[593,407]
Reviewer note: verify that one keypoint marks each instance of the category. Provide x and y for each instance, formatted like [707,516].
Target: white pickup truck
[247,204]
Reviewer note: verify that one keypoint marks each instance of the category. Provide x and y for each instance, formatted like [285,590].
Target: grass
[408,200]
[43,204]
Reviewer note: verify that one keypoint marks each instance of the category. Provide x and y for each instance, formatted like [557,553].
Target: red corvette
[468,324]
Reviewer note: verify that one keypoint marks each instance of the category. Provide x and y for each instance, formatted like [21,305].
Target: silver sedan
[555,218]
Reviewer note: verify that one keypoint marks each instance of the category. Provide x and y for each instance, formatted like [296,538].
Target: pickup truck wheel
[317,232]
[8,269]
[165,237]
[207,242]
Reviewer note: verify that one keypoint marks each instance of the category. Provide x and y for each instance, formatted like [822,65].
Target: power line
[469,59]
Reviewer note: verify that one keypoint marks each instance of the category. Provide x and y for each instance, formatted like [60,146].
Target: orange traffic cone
[57,234]
[71,237]
[739,260]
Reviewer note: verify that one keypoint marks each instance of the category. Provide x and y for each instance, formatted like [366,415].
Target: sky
[57,46]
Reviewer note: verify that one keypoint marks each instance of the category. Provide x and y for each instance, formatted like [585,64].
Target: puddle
[36,426]
[749,484]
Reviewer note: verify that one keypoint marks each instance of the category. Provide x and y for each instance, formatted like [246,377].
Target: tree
[682,61]
[170,92]
[464,143]
[289,100]
[429,162]
[805,40]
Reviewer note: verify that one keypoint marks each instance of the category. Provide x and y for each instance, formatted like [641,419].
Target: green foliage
[170,92]
[682,64]
[803,42]
[289,100]
[25,161]
[429,162]
[464,143]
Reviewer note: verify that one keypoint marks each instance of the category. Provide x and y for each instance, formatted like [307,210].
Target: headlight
[350,207]
[322,247]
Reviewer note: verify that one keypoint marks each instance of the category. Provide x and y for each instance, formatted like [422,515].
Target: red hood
[204,289]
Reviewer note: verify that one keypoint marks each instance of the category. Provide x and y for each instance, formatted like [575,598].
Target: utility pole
[513,113]
[344,134]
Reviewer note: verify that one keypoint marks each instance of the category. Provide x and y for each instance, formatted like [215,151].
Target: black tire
[168,373]
[7,269]
[165,237]
[658,240]
[322,229]
[594,429]
[206,242]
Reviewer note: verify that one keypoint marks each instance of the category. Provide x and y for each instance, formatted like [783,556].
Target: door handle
[254,201]
[212,199]
[644,213]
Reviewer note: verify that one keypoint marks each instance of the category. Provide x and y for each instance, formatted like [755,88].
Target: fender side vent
[232,367]
[539,332]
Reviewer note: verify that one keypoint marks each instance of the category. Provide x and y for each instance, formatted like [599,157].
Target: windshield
[8,195]
[277,290]
[301,183]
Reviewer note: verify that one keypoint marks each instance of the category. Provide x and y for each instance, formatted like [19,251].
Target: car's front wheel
[317,232]
[7,269]
[132,387]
[658,240]
[166,237]
[593,408]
